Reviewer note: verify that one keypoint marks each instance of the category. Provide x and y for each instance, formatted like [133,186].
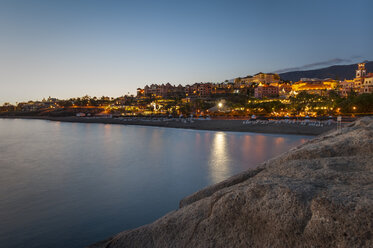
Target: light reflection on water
[218,165]
[71,184]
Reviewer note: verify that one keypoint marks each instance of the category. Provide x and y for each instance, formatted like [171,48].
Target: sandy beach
[214,125]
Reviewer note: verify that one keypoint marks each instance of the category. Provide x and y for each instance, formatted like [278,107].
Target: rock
[319,194]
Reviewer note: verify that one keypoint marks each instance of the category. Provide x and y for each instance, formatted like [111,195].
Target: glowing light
[220,104]
[219,166]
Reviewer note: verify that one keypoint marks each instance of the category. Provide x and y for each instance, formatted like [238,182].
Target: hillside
[319,194]
[339,72]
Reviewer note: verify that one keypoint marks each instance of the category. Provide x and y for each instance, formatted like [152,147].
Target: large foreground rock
[317,195]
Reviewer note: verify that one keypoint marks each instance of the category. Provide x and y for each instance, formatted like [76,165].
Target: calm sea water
[72,184]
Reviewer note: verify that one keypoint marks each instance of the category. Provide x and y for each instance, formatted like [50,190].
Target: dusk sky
[72,48]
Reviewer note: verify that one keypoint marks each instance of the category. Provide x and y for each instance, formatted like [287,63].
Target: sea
[73,184]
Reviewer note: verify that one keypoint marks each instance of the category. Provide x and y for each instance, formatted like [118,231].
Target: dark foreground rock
[317,195]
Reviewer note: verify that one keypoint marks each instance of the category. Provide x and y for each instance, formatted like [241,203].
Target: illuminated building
[360,75]
[266,91]
[198,89]
[161,90]
[140,92]
[367,86]
[362,83]
[361,72]
[314,85]
[259,78]
[223,88]
[346,87]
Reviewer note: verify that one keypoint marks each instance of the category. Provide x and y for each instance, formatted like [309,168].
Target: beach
[278,127]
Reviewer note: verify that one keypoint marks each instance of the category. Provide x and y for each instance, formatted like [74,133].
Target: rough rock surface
[319,194]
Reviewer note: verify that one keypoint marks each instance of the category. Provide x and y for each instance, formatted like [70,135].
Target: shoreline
[210,125]
[301,193]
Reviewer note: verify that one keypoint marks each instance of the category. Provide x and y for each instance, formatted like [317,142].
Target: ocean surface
[72,184]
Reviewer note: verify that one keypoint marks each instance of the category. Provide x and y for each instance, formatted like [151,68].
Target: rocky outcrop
[319,194]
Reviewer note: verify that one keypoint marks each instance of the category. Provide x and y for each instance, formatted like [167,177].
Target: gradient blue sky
[71,48]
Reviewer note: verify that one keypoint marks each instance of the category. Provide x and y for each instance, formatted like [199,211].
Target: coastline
[211,125]
[314,195]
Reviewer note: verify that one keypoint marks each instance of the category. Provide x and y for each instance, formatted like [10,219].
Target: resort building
[223,88]
[346,87]
[367,86]
[198,89]
[266,91]
[162,90]
[259,78]
[362,83]
[361,71]
[315,85]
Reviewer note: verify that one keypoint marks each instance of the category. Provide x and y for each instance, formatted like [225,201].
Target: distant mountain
[339,72]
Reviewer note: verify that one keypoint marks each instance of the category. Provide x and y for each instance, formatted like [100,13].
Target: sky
[71,48]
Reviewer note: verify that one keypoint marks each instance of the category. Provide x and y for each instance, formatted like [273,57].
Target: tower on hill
[361,72]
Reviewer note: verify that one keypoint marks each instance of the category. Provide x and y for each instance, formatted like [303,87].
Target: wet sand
[214,125]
